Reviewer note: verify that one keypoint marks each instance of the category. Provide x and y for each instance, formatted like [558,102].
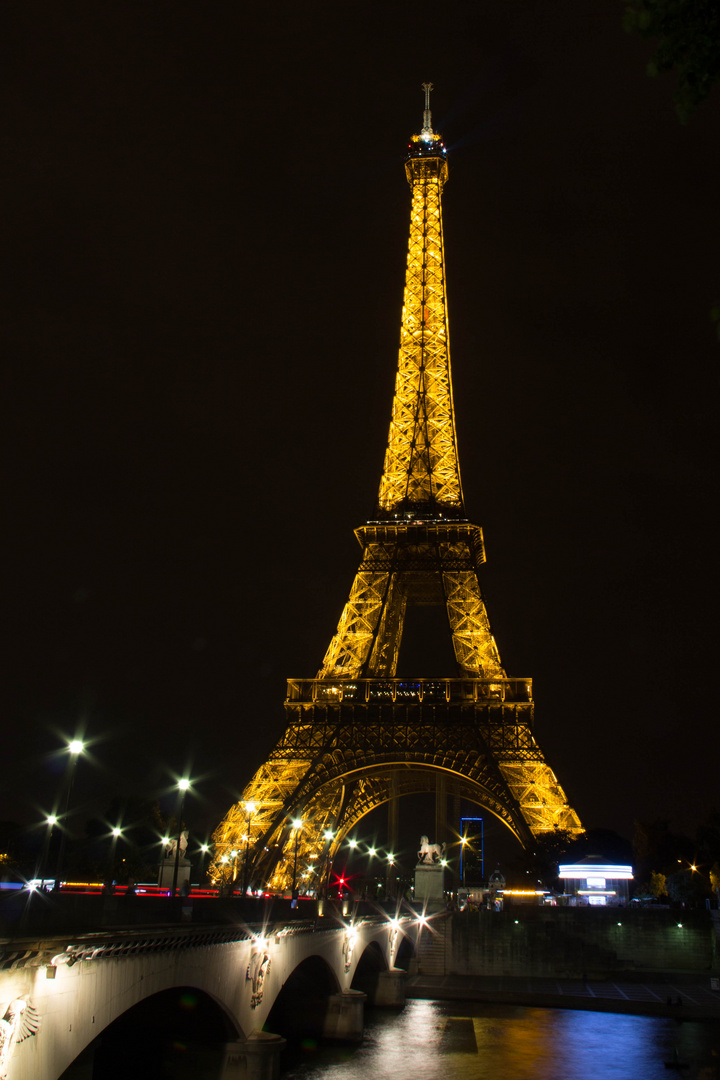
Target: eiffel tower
[358,736]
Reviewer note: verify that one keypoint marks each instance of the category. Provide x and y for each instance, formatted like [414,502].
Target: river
[452,1040]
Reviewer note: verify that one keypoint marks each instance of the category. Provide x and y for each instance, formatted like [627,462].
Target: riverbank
[656,995]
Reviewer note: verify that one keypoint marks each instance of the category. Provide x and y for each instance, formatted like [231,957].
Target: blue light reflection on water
[456,1040]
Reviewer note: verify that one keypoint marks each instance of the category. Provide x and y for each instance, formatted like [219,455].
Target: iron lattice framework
[358,736]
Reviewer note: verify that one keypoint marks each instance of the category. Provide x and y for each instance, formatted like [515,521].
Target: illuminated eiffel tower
[358,736]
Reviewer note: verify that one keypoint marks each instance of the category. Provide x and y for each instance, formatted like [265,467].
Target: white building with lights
[595,882]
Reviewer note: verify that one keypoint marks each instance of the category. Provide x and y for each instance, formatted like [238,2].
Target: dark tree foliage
[539,864]
[688,42]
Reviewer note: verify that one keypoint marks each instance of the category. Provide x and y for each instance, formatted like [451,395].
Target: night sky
[205,226]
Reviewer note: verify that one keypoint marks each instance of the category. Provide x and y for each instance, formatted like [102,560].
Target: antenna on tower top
[427,115]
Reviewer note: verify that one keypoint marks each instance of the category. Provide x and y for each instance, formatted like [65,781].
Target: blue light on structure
[472,835]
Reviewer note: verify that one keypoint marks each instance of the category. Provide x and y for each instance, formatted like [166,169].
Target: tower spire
[427,115]
[421,474]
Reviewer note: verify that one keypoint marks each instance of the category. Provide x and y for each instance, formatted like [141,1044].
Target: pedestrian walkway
[681,996]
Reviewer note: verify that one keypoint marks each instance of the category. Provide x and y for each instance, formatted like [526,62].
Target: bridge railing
[399,691]
[31,914]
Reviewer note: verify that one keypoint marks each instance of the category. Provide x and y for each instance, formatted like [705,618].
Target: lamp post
[51,822]
[183,786]
[297,826]
[328,836]
[75,749]
[250,808]
[204,851]
[114,834]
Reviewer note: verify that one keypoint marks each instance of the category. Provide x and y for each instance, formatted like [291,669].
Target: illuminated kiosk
[596,883]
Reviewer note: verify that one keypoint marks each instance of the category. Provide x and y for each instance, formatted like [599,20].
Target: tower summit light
[357,736]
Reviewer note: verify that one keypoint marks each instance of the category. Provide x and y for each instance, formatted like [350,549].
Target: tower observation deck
[357,735]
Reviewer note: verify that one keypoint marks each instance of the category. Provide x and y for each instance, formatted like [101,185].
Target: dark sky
[205,220]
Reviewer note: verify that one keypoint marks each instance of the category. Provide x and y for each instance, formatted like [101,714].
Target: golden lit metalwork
[358,735]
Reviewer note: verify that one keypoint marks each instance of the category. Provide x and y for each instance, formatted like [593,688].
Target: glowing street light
[50,821]
[75,749]
[297,826]
[115,833]
[183,787]
[250,808]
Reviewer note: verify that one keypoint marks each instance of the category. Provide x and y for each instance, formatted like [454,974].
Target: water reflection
[469,1041]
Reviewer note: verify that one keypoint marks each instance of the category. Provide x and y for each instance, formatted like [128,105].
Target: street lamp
[183,786]
[115,834]
[75,749]
[328,836]
[51,822]
[297,826]
[250,808]
[204,851]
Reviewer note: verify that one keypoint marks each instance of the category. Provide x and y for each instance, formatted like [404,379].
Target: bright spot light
[165,840]
[421,920]
[183,784]
[251,807]
[204,848]
[117,832]
[76,746]
[353,843]
[371,851]
[297,823]
[443,862]
[328,834]
[51,819]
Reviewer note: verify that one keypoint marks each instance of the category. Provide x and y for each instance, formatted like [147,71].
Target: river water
[453,1040]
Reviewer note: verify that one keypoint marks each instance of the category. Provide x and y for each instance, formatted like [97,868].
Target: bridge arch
[301,1007]
[181,1031]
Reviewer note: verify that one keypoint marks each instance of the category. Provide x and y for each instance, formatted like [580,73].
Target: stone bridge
[59,994]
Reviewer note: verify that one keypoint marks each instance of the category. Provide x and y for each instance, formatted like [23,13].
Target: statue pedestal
[429,885]
[167,871]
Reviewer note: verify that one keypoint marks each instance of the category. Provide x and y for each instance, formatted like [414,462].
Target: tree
[658,885]
[688,42]
[687,887]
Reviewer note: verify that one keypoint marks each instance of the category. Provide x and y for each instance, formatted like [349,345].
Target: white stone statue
[429,854]
[172,845]
[20,1020]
